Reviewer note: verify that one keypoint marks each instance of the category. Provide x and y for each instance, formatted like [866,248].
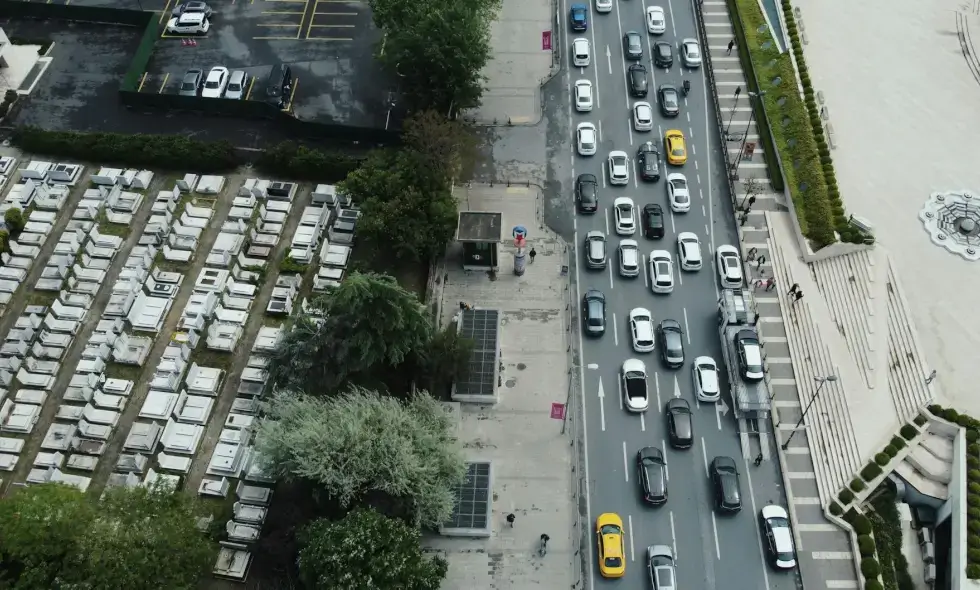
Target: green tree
[14,218]
[445,359]
[438,48]
[366,324]
[446,144]
[407,207]
[55,536]
[363,446]
[364,551]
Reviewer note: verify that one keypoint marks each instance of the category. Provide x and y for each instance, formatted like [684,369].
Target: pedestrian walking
[794,288]
[750,255]
[544,544]
[797,296]
[532,254]
[462,305]
[931,377]
[742,220]
[771,284]
[510,519]
[758,316]
[758,460]
[731,45]
[760,261]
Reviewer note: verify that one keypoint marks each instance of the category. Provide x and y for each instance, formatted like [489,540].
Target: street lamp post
[822,381]
[741,150]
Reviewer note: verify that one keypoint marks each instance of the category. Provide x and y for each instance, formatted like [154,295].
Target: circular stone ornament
[952,220]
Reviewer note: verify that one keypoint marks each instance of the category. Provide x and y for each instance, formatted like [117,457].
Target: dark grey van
[279,85]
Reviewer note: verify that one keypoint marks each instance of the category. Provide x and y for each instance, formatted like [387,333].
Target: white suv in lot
[624,213]
[661,272]
[689,251]
[629,258]
[641,329]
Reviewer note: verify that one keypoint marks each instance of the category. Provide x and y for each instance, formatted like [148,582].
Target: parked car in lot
[191,23]
[215,83]
[237,85]
[191,83]
[191,7]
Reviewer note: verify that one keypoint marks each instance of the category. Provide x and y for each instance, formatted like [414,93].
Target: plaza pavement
[531,456]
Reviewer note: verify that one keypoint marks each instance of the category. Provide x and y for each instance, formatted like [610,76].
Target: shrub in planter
[872,585]
[935,409]
[851,515]
[972,500]
[972,462]
[836,510]
[866,546]
[905,581]
[909,432]
[973,513]
[862,525]
[973,475]
[891,451]
[974,526]
[846,497]
[870,471]
[973,541]
[920,420]
[972,435]
[898,443]
[972,572]
[857,485]
[973,555]
[973,487]
[870,568]
[949,414]
[882,459]
[973,449]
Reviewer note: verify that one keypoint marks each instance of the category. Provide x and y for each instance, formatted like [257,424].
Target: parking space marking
[251,84]
[142,81]
[165,11]
[292,95]
[287,13]
[164,83]
[328,19]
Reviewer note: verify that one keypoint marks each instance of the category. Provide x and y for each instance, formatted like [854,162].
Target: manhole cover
[953,222]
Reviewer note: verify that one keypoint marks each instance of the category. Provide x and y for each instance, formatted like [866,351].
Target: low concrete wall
[957,497]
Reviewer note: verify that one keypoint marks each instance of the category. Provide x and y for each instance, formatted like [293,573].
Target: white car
[629,258]
[778,537]
[677,193]
[641,329]
[705,373]
[660,566]
[215,83]
[624,213]
[619,168]
[661,272]
[689,251]
[603,5]
[691,53]
[729,267]
[583,96]
[642,116]
[636,396]
[189,23]
[656,21]
[585,135]
[581,53]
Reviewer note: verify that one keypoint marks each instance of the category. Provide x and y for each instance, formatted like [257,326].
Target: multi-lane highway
[711,551]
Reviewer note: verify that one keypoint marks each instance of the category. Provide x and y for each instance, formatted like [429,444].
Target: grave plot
[124,192]
[187,214]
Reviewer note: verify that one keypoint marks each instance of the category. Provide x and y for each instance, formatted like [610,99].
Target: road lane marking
[673,23]
[656,382]
[602,402]
[687,331]
[653,77]
[619,384]
[592,366]
[643,423]
[704,455]
[673,533]
[626,467]
[677,387]
[606,210]
[615,330]
[632,549]
[714,528]
[646,280]
[610,277]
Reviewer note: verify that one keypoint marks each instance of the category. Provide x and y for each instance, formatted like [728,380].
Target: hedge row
[972,427]
[874,469]
[177,152]
[870,568]
[887,527]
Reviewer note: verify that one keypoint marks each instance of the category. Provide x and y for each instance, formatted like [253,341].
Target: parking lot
[328,45]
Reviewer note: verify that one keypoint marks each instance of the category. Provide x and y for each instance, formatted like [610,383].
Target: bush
[973,541]
[972,436]
[897,442]
[870,568]
[973,449]
[851,515]
[870,471]
[949,414]
[973,526]
[972,462]
[872,585]
[861,524]
[857,485]
[172,152]
[972,572]
[835,509]
[298,162]
[288,265]
[891,451]
[909,432]
[866,546]
[14,219]
[973,500]
[973,475]
[936,409]
[845,496]
[920,420]
[882,459]
[973,555]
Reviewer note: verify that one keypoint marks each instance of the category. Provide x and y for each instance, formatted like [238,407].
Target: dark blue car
[580,18]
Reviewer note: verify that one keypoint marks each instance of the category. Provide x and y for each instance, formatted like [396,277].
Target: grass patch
[212,358]
[168,265]
[125,372]
[887,527]
[45,298]
[112,229]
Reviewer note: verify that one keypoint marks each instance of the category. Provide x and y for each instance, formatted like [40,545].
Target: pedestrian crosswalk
[825,554]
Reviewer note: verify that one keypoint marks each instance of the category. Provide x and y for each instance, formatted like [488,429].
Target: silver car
[237,85]
[691,53]
[660,564]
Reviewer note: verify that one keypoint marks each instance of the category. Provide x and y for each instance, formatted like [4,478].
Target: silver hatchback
[237,85]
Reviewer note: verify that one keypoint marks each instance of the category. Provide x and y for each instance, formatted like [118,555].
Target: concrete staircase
[830,431]
[929,466]
[907,370]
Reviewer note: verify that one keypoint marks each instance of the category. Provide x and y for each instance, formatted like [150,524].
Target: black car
[652,473]
[663,55]
[191,83]
[671,343]
[587,193]
[648,161]
[638,80]
[653,221]
[680,423]
[670,102]
[633,46]
[594,313]
[724,478]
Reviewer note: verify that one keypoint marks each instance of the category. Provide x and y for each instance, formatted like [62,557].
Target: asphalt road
[710,551]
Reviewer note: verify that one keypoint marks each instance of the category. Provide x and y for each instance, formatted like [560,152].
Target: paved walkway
[825,556]
[532,459]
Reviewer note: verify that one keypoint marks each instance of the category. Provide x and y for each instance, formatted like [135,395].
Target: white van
[581,54]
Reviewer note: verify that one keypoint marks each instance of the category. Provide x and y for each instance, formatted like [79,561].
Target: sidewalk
[824,551]
[532,466]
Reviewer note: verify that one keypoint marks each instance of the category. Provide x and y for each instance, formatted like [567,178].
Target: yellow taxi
[674,147]
[612,545]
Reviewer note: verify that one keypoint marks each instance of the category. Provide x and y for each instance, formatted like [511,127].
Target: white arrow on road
[592,366]
[609,59]
[677,388]
[602,405]
[721,409]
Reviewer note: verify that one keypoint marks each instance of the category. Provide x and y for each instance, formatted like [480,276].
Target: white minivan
[581,54]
